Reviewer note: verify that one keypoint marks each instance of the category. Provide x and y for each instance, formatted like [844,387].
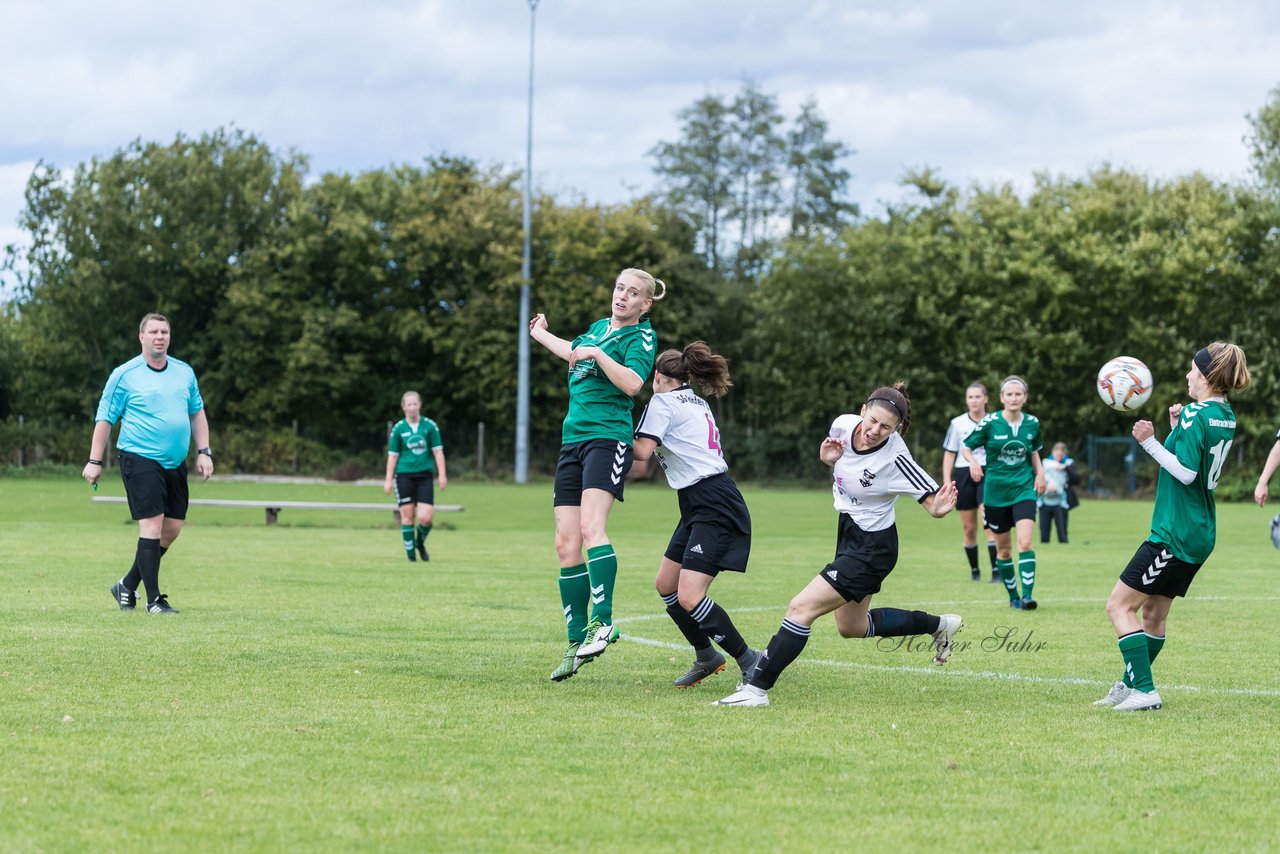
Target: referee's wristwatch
[208,452]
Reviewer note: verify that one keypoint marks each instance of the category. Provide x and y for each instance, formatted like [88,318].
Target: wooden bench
[273,508]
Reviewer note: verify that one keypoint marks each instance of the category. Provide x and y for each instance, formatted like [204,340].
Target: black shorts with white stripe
[1154,570]
[593,464]
[863,560]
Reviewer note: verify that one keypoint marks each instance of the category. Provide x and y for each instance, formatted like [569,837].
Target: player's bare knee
[848,630]
[689,599]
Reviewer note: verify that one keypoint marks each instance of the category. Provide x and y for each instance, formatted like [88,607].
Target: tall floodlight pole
[522,371]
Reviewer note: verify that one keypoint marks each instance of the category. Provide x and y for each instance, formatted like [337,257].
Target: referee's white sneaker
[746,695]
[948,625]
[1115,696]
[1139,701]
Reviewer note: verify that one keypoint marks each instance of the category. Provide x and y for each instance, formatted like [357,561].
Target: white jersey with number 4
[961,426]
[688,439]
[867,483]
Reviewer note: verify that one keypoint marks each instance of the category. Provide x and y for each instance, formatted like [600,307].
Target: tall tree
[1264,141]
[759,160]
[818,182]
[697,171]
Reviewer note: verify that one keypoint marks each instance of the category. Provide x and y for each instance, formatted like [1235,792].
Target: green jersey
[1009,476]
[1185,519]
[415,445]
[598,409]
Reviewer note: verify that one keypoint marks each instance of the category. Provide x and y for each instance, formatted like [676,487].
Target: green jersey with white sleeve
[1185,518]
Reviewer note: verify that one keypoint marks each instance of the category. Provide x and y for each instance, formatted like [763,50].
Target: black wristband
[208,452]
[94,462]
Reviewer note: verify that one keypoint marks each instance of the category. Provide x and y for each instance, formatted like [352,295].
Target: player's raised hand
[539,321]
[1174,412]
[944,500]
[1144,430]
[831,450]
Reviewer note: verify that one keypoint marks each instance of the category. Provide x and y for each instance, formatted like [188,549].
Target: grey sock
[748,659]
[707,653]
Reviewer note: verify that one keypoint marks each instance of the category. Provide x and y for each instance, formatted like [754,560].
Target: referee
[157,400]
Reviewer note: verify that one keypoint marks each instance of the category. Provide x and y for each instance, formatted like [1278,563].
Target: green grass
[318,691]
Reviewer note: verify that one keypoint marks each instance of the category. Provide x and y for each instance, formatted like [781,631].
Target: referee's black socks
[147,560]
[133,578]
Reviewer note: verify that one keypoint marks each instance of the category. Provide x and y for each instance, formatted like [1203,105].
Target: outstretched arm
[538,332]
[1268,469]
[941,502]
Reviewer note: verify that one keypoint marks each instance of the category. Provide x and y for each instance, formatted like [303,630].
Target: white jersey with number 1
[688,439]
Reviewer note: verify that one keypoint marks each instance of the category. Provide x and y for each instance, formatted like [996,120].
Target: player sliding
[872,468]
[1183,523]
[608,365]
[1012,477]
[714,531]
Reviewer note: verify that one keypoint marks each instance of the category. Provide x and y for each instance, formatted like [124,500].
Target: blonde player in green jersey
[1012,478]
[608,365]
[1183,524]
[415,458]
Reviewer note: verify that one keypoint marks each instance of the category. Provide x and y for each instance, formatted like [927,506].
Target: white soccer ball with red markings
[1124,383]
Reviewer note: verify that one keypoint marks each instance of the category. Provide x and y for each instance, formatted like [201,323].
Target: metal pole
[522,334]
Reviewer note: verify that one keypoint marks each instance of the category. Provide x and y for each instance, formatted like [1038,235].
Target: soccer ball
[1124,383]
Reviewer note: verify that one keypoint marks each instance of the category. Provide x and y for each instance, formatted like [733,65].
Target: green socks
[1027,569]
[1154,645]
[406,534]
[423,530]
[1005,567]
[1137,661]
[575,591]
[602,564]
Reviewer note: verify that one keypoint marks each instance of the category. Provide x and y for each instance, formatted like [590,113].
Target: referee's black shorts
[152,489]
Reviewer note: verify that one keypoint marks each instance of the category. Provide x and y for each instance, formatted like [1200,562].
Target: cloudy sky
[985,91]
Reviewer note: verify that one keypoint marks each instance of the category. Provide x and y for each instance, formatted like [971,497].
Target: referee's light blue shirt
[156,408]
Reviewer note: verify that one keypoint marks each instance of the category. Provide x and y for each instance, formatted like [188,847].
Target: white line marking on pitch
[943,671]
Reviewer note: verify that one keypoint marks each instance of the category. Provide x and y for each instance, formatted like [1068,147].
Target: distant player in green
[1184,523]
[1012,478]
[608,365]
[415,457]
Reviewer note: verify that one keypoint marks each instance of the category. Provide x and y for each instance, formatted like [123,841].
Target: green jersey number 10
[1219,453]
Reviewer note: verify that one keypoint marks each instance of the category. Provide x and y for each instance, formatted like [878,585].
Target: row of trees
[319,301]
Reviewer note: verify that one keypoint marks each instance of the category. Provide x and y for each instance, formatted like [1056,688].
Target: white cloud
[990,90]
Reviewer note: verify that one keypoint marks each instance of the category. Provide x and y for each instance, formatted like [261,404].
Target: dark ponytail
[696,362]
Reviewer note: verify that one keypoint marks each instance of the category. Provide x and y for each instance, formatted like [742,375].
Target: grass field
[319,692]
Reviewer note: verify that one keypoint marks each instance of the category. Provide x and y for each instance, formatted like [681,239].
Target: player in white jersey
[872,467]
[968,491]
[714,532]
